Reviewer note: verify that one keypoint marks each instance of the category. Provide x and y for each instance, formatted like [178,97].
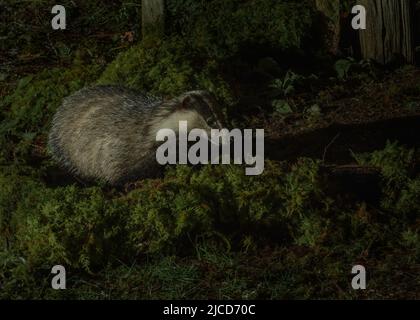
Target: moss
[27,112]
[401,190]
[165,67]
[214,200]
[87,228]
[76,227]
[209,216]
[84,228]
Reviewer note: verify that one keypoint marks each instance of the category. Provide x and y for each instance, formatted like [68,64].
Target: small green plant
[344,68]
[282,107]
[290,83]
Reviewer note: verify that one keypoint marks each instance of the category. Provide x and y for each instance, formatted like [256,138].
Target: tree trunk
[389,30]
[153,17]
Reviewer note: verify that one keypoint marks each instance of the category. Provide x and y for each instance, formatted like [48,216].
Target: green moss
[167,67]
[209,215]
[76,227]
[401,189]
[222,200]
[26,113]
[86,228]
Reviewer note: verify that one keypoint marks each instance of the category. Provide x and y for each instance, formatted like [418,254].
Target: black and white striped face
[203,103]
[198,108]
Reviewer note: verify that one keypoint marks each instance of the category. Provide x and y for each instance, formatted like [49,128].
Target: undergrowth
[218,208]
[208,232]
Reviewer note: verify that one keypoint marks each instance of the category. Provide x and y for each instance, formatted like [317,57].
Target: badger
[108,133]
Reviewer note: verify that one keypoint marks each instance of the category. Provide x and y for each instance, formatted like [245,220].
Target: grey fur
[109,132]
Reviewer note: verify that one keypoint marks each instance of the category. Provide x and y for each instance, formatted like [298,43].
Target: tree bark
[153,17]
[389,30]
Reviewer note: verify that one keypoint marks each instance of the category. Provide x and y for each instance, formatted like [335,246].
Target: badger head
[203,107]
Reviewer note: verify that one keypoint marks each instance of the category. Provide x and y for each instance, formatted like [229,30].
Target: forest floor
[341,185]
[274,272]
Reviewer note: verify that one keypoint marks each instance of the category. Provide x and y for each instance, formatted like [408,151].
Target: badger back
[103,132]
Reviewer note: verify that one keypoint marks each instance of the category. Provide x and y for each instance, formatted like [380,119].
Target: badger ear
[186,102]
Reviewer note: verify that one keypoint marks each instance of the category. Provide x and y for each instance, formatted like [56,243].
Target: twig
[329,145]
